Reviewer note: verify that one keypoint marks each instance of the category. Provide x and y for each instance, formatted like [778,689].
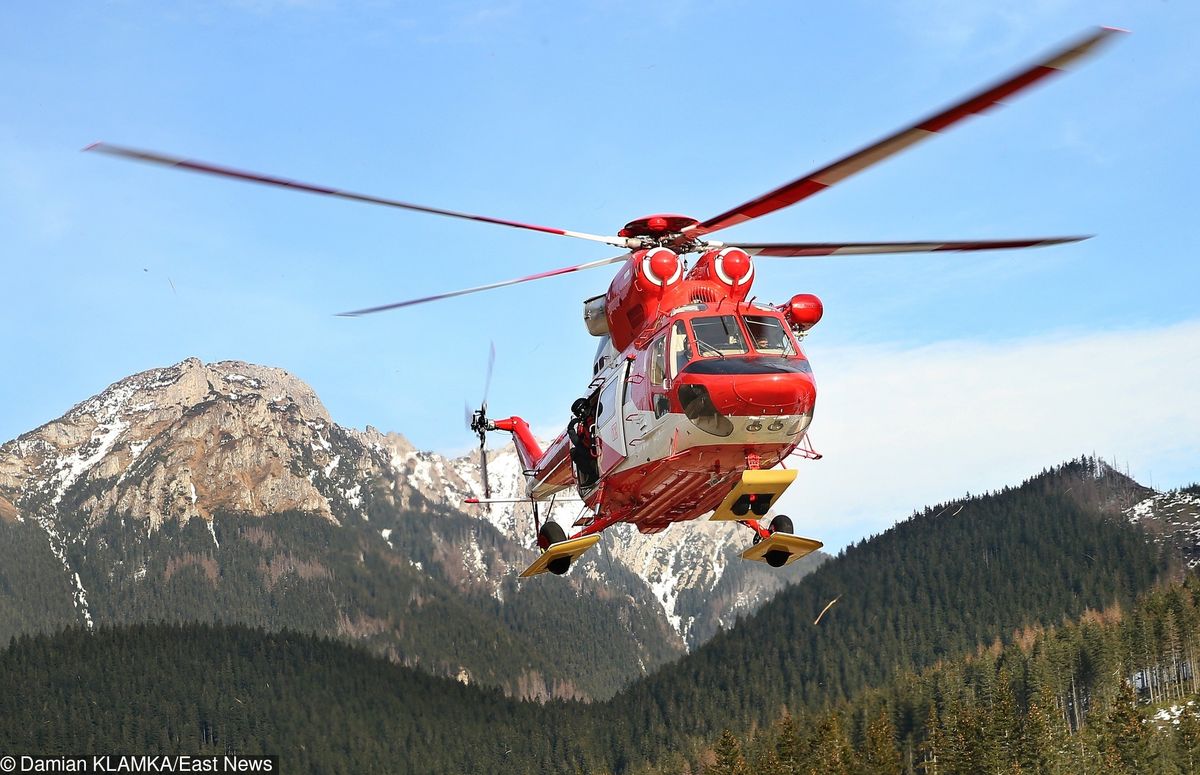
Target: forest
[1114,690]
[1019,630]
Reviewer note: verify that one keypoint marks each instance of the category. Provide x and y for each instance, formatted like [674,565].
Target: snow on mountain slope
[192,440]
[1173,517]
[693,569]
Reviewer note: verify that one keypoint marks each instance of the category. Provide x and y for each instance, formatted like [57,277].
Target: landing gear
[777,558]
[552,533]
[558,551]
[759,503]
[782,524]
[777,545]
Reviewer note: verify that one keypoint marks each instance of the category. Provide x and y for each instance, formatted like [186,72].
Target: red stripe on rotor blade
[272,180]
[784,252]
[254,177]
[1001,245]
[986,100]
[781,198]
[488,287]
[843,249]
[804,187]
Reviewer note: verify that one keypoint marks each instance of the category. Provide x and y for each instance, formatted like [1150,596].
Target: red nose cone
[773,394]
[664,264]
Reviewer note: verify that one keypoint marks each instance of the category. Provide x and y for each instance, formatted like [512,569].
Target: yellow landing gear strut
[780,549]
[561,555]
[755,492]
[754,495]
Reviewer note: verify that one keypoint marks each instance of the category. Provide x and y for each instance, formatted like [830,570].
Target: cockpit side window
[658,360]
[681,348]
[769,335]
[718,336]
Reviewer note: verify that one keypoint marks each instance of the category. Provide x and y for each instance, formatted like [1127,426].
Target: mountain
[694,570]
[1173,519]
[226,492]
[950,607]
[1170,518]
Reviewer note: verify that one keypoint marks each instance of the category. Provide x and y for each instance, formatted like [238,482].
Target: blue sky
[585,116]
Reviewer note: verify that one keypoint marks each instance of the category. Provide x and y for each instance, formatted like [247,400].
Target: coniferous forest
[1023,630]
[1111,690]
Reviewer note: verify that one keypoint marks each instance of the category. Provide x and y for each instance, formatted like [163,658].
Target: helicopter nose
[770,394]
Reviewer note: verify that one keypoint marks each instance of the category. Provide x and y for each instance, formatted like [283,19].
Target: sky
[937,375]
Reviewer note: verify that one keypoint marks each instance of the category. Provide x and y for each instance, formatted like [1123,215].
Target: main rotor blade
[154,157]
[815,249]
[804,187]
[488,287]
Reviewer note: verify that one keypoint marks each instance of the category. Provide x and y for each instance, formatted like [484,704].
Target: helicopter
[699,392]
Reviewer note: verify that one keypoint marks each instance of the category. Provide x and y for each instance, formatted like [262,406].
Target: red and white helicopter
[699,392]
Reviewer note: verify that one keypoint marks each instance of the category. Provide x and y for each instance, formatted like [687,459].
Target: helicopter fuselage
[706,386]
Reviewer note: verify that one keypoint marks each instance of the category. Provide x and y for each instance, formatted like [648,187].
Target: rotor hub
[657,226]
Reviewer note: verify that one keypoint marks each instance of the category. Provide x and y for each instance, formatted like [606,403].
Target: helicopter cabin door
[610,430]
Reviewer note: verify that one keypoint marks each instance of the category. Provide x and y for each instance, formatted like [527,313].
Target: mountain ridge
[985,573]
[193,453]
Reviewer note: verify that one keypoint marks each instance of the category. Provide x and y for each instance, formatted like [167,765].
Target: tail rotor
[479,423]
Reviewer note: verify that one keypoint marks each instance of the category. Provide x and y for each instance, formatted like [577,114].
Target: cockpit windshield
[718,336]
[769,335]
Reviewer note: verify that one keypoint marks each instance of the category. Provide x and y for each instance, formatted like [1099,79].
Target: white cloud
[901,427]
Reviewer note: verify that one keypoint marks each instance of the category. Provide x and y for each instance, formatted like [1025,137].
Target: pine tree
[1044,736]
[787,744]
[1125,737]
[1187,741]
[1003,724]
[833,754]
[729,759]
[879,752]
[933,749]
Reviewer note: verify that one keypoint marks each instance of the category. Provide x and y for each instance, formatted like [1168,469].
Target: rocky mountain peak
[176,442]
[195,441]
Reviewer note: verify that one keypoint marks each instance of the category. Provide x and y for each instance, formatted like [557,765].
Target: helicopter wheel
[551,533]
[776,558]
